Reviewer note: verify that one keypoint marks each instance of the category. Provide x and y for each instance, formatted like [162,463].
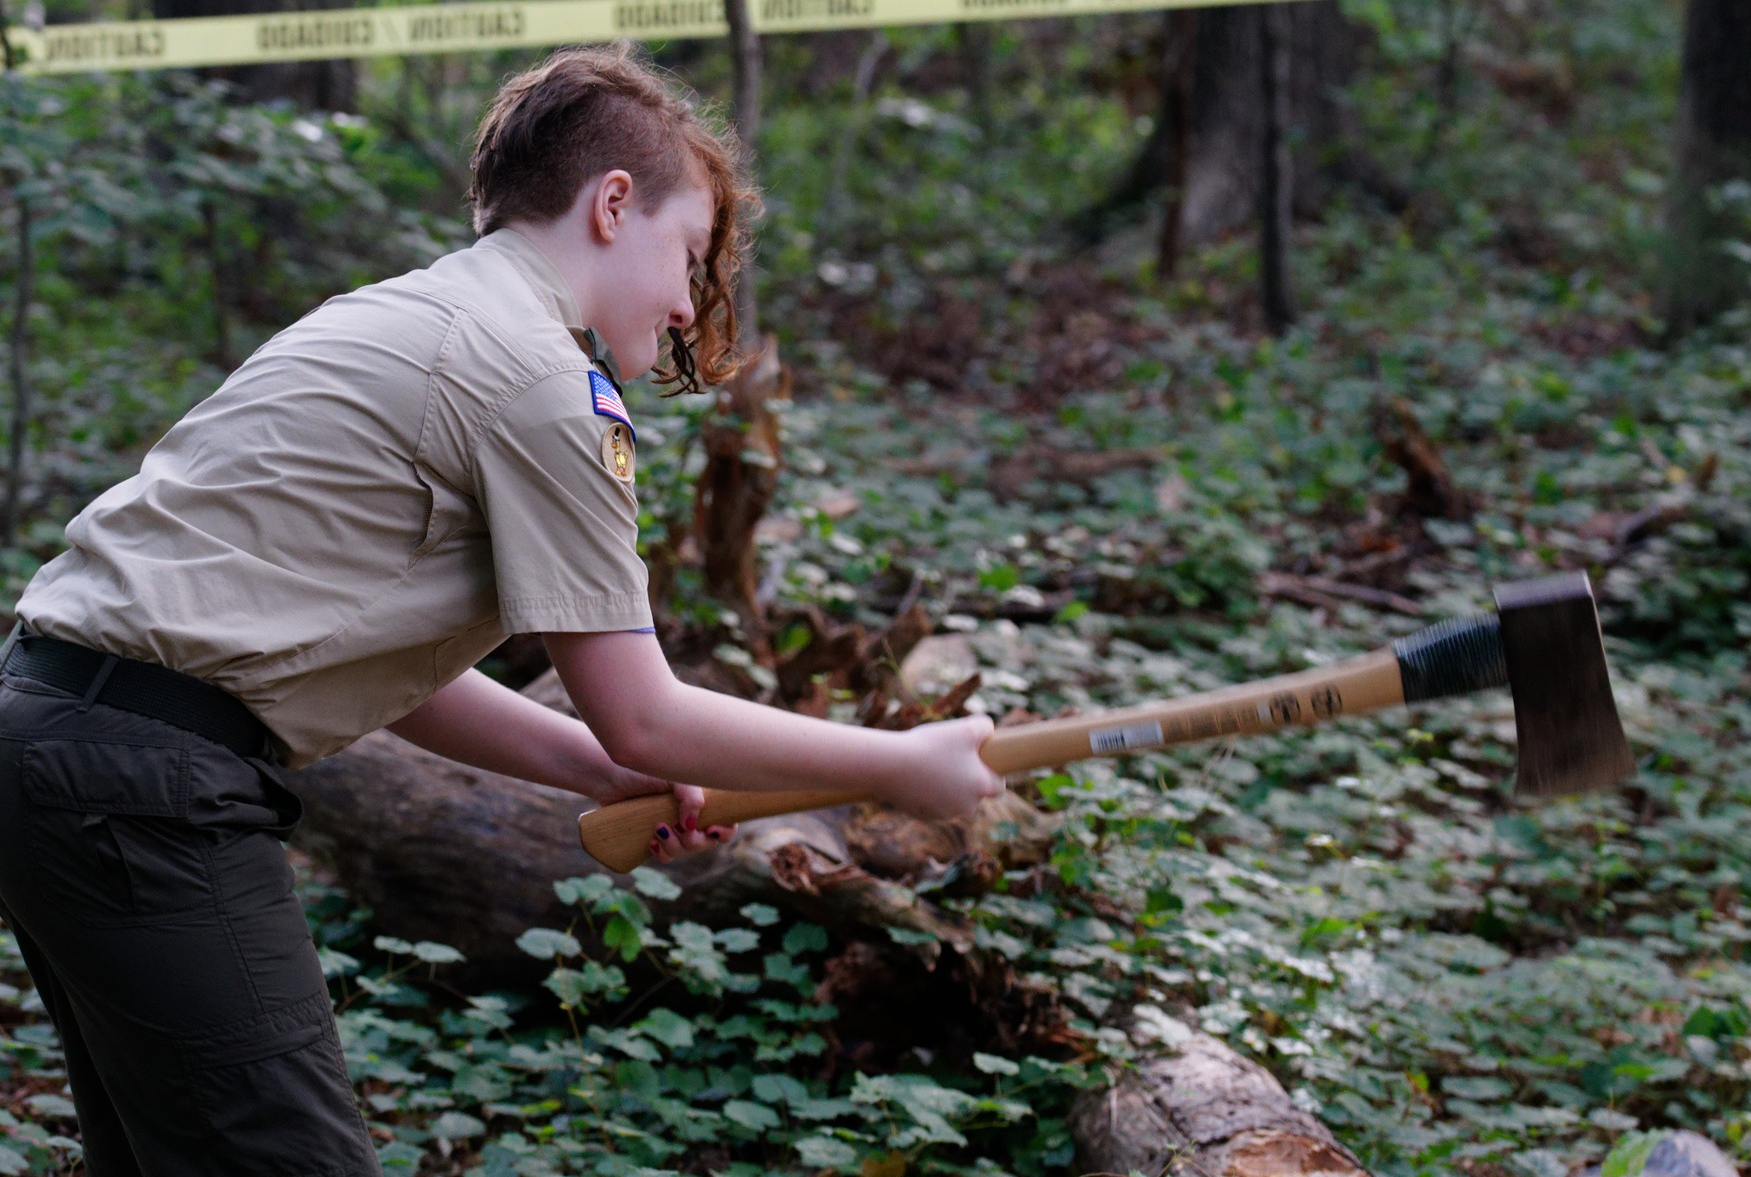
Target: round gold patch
[617,452]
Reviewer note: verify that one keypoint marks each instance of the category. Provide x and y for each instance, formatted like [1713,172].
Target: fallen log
[1198,1108]
[442,852]
[439,851]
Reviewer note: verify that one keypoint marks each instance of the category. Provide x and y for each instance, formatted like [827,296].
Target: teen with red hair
[327,545]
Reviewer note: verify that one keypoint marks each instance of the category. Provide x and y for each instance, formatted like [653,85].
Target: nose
[681,314]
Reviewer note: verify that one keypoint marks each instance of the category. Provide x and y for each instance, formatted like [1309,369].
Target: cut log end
[1204,1109]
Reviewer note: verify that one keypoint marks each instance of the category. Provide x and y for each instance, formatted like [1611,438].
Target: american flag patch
[607,401]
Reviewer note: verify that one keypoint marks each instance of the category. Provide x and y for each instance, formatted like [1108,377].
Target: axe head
[1571,740]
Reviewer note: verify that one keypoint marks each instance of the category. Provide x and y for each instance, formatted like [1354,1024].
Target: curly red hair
[587,111]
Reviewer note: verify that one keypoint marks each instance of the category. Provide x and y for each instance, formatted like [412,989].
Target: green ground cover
[1454,981]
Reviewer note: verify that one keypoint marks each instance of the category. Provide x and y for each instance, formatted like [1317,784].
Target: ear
[610,202]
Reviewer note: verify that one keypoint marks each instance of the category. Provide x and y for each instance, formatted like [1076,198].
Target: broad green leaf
[825,1152]
[50,1106]
[547,943]
[456,1126]
[1163,900]
[624,935]
[805,937]
[654,883]
[776,1089]
[1484,1088]
[583,891]
[336,963]
[754,1116]
[669,1028]
[821,1109]
[576,986]
[1630,1154]
[399,1157]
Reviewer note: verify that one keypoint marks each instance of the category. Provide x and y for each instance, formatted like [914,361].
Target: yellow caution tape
[448,28]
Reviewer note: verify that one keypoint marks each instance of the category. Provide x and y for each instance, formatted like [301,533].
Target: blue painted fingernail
[663,832]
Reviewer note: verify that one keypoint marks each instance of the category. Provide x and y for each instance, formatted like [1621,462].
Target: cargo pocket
[245,794]
[274,1097]
[105,826]
[288,806]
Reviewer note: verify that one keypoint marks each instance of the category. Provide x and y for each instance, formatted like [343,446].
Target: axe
[1543,642]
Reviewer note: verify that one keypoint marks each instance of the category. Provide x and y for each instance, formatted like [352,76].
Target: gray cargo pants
[142,875]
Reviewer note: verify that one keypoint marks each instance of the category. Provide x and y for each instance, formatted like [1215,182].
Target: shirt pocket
[106,825]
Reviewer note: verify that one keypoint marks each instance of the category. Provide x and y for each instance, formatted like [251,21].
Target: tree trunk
[1173,131]
[973,41]
[827,221]
[745,59]
[1713,148]
[11,512]
[1276,170]
[1228,127]
[1221,135]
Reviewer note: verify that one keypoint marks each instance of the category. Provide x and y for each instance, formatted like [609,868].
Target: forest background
[1110,417]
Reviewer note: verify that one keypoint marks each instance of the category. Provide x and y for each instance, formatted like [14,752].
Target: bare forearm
[722,742]
[649,721]
[479,722]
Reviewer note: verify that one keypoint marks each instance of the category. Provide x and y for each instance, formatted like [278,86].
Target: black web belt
[140,687]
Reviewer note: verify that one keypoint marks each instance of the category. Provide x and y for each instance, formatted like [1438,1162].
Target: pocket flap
[265,1036]
[97,776]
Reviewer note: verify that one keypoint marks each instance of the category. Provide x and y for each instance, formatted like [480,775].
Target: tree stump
[742,457]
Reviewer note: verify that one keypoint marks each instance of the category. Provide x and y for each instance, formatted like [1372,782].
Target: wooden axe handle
[1366,683]
[618,835]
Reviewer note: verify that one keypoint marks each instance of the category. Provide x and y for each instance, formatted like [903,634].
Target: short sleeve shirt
[369,505]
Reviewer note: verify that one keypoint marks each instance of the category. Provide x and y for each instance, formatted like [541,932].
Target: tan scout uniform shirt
[367,506]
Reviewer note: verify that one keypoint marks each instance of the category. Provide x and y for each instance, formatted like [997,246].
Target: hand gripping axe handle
[1543,642]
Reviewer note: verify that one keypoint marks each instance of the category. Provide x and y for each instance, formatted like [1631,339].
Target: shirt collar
[553,291]
[542,275]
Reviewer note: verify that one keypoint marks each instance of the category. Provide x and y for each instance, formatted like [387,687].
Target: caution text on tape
[448,28]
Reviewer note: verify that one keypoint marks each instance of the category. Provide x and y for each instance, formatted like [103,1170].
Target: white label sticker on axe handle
[1104,741]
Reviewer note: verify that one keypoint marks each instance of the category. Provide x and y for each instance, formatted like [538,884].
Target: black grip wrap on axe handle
[1452,658]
